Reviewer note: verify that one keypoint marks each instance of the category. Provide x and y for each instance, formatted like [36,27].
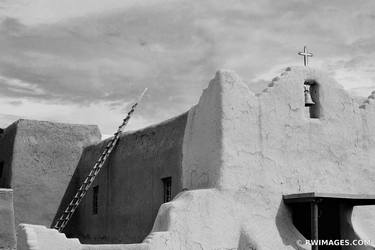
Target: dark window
[328,217]
[95,200]
[1,169]
[167,188]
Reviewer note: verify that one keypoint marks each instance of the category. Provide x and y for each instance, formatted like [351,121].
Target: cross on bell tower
[305,55]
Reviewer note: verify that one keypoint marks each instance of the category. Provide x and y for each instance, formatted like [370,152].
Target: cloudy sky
[84,61]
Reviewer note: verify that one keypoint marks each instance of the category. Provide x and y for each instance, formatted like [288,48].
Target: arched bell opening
[312,102]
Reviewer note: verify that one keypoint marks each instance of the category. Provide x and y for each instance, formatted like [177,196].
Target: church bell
[308,100]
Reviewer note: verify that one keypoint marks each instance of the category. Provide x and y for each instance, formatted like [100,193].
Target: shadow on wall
[347,230]
[245,242]
[70,191]
[291,236]
[287,231]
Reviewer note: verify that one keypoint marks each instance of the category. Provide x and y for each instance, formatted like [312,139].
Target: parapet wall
[252,134]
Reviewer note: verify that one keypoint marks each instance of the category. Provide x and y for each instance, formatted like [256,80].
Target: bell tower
[312,103]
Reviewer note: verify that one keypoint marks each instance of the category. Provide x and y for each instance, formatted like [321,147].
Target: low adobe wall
[7,229]
[33,237]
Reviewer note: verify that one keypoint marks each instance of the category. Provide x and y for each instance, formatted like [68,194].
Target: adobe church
[239,170]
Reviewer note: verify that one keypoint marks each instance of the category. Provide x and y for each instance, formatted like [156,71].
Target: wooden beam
[314,223]
[353,199]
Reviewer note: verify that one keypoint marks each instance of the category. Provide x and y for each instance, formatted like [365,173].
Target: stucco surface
[37,237]
[7,229]
[130,185]
[45,155]
[242,151]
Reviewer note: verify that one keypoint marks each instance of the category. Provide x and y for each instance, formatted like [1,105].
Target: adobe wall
[32,237]
[45,155]
[130,189]
[270,135]
[7,228]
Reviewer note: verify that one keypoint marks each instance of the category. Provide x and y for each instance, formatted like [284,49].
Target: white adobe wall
[269,135]
[37,237]
[202,147]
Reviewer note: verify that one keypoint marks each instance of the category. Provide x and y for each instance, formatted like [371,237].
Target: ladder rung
[76,200]
[58,222]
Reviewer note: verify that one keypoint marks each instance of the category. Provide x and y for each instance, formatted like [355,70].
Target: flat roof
[354,199]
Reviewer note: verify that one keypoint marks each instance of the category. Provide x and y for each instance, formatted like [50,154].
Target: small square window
[95,200]
[167,189]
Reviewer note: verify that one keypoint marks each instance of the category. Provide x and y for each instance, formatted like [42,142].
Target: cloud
[105,54]
[111,58]
[99,114]
[48,11]
[19,88]
[7,119]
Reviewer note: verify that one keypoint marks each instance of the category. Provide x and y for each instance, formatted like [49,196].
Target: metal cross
[305,55]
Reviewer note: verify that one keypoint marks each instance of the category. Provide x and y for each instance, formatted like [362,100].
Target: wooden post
[314,223]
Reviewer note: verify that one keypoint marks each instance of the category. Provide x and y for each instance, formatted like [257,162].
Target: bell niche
[311,93]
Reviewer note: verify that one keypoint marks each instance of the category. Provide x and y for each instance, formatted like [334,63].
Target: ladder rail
[85,186]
